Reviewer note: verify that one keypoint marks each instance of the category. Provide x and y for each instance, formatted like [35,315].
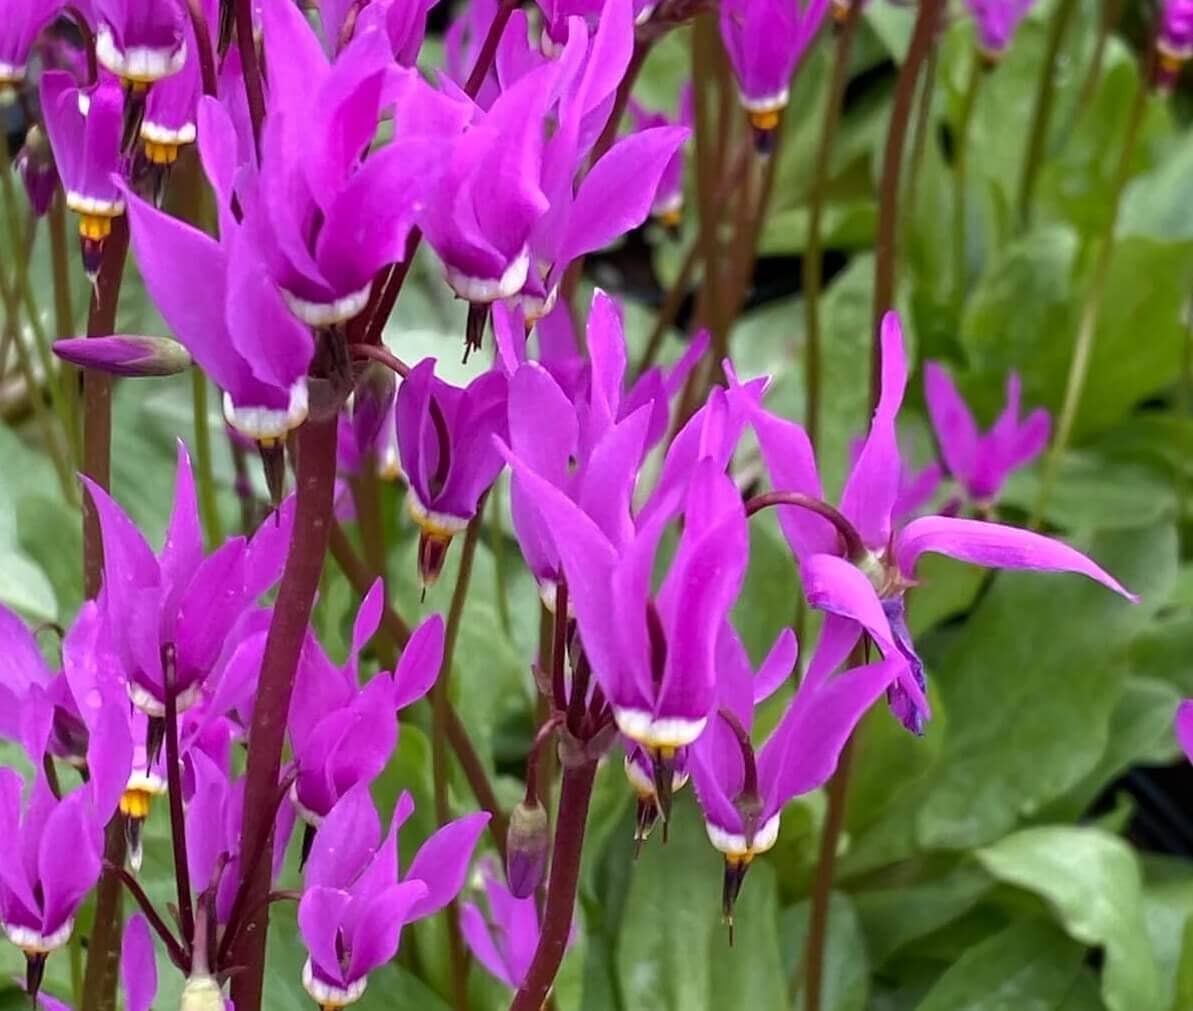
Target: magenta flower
[653,654]
[342,734]
[640,770]
[979,462]
[179,599]
[241,332]
[138,965]
[1174,42]
[171,106]
[1184,727]
[742,796]
[138,41]
[765,40]
[445,443]
[480,214]
[84,125]
[328,218]
[667,206]
[996,21]
[860,566]
[40,889]
[503,936]
[354,905]
[404,22]
[23,22]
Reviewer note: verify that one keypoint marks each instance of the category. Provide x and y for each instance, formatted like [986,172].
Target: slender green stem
[1042,114]
[813,267]
[1091,307]
[1184,401]
[64,319]
[1111,10]
[960,158]
[919,139]
[208,505]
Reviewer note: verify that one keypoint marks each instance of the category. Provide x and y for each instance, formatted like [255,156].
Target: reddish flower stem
[103,949]
[84,27]
[283,644]
[574,797]
[182,879]
[254,91]
[851,540]
[380,353]
[206,56]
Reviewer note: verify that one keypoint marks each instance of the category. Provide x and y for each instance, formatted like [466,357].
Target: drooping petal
[138,966]
[346,840]
[995,546]
[71,828]
[442,862]
[373,935]
[952,421]
[480,942]
[320,912]
[419,665]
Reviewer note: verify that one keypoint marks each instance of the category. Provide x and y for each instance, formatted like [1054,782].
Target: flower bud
[125,354]
[371,404]
[526,849]
[38,172]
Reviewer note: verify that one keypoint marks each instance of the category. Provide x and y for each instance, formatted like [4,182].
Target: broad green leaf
[1029,685]
[892,918]
[1156,204]
[670,920]
[1093,882]
[846,960]
[750,973]
[1030,966]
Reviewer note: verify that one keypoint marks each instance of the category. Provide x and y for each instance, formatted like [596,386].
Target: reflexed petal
[21,663]
[419,665]
[840,587]
[995,546]
[320,912]
[373,935]
[1184,727]
[952,421]
[442,862]
[777,667]
[480,942]
[138,966]
[346,840]
[72,828]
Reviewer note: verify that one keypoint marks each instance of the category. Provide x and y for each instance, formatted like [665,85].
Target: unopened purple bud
[38,172]
[1174,42]
[125,354]
[526,849]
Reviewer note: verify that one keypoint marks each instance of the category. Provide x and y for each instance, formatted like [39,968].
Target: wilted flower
[979,462]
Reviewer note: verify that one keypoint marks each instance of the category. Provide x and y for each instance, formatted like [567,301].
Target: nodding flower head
[996,21]
[85,126]
[667,207]
[141,42]
[445,442]
[22,23]
[171,107]
[1174,42]
[765,40]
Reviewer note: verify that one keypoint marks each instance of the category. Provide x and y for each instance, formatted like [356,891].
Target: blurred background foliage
[1033,849]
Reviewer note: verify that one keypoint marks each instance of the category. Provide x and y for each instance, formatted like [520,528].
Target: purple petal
[873,485]
[442,862]
[71,828]
[840,587]
[777,666]
[109,758]
[480,942]
[419,665]
[346,840]
[617,193]
[320,912]
[995,546]
[138,966]
[182,551]
[20,660]
[208,608]
[368,617]
[373,936]
[956,432]
[1184,727]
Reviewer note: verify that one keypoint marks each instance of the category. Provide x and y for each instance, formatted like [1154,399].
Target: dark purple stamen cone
[644,822]
[273,461]
[474,330]
[664,782]
[432,552]
[308,840]
[35,970]
[735,874]
[527,843]
[93,256]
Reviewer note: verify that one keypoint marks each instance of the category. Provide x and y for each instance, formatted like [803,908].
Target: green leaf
[671,915]
[1092,880]
[1030,966]
[1029,685]
[846,960]
[892,918]
[750,973]
[1157,204]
